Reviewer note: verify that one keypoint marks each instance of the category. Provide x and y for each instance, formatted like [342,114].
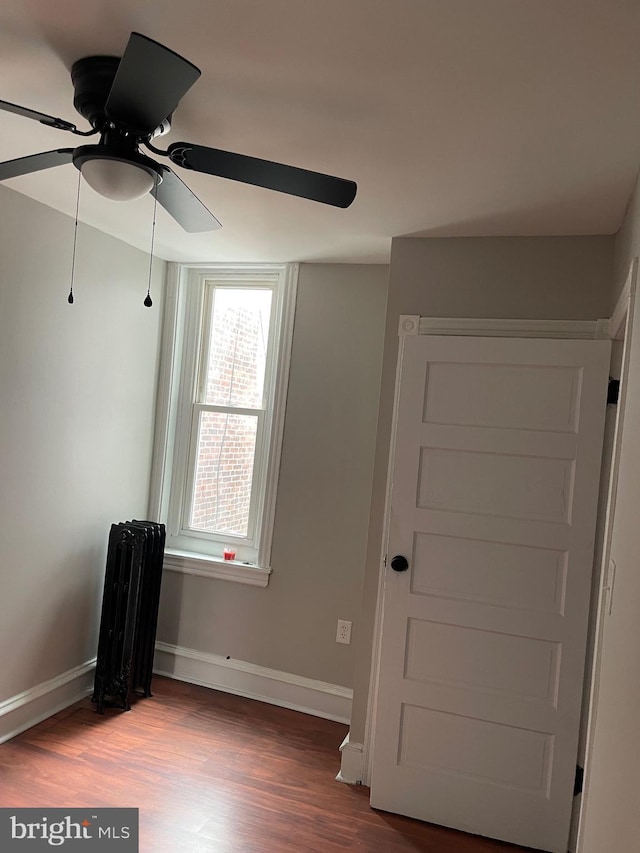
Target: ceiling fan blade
[149,83]
[35,163]
[43,118]
[264,173]
[178,200]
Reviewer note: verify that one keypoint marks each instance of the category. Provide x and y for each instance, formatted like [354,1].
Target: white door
[493,503]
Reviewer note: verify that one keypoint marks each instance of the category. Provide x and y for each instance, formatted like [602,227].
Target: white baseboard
[27,709]
[352,762]
[256,682]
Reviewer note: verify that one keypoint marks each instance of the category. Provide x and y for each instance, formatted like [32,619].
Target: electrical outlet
[343,634]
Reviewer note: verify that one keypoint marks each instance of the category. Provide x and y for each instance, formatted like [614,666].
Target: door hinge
[613,392]
[579,780]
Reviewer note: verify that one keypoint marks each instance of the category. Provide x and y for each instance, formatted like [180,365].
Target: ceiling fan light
[116,179]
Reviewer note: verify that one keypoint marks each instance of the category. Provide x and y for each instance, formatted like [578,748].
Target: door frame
[413,324]
[620,330]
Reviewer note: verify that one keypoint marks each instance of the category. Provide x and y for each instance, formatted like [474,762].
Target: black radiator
[129,612]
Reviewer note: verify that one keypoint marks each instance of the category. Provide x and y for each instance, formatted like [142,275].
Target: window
[224,370]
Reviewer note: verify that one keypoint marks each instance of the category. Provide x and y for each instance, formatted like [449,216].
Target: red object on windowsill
[229,553]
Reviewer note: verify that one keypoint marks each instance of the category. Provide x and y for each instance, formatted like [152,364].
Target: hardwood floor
[212,772]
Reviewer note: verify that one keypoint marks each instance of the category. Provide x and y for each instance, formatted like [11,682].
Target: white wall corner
[352,762]
[619,316]
[27,709]
[319,698]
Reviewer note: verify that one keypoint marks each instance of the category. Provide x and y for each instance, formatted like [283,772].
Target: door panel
[493,501]
[521,577]
[511,396]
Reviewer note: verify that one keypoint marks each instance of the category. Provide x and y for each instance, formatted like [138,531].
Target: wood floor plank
[213,773]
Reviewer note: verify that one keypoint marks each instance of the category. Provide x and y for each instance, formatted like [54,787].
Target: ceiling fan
[129,102]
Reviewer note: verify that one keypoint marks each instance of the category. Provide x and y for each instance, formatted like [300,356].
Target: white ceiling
[455,117]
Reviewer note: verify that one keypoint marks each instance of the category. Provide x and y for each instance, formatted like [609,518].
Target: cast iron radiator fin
[129,612]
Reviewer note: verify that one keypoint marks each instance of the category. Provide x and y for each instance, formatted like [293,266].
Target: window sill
[213,567]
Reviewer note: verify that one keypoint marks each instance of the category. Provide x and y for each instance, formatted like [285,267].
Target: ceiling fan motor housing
[92,78]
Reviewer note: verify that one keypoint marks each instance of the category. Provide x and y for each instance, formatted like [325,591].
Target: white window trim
[170,370]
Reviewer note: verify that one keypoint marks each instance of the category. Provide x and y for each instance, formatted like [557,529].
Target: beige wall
[505,277]
[323,496]
[610,818]
[77,387]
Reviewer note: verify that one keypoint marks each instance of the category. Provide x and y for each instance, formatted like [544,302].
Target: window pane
[237,348]
[224,467]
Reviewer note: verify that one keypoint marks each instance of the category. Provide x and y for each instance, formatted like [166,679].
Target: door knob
[399,563]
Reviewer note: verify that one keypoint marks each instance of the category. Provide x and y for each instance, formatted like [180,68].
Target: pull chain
[148,302]
[75,241]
